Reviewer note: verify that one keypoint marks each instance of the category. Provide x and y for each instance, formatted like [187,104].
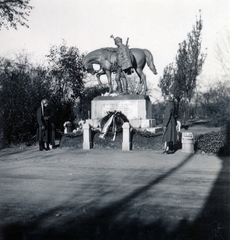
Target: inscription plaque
[133,107]
[128,108]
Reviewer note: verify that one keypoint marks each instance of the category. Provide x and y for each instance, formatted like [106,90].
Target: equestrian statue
[121,61]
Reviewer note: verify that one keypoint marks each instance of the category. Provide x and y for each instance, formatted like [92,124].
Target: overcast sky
[158,25]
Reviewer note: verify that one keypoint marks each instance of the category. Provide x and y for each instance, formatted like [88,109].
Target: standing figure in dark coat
[45,128]
[169,126]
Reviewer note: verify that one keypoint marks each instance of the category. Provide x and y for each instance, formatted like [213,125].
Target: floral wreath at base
[111,125]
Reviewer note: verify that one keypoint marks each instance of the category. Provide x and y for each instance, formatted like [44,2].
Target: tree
[189,63]
[167,82]
[23,87]
[66,78]
[216,102]
[14,12]
[179,78]
[223,54]
[66,70]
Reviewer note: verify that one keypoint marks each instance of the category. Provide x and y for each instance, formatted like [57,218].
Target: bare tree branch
[222,51]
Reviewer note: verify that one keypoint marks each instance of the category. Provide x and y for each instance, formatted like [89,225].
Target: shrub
[141,140]
[215,142]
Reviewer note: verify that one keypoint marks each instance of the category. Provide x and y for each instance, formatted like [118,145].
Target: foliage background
[24,85]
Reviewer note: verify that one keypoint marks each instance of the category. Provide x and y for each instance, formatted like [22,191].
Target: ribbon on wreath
[107,125]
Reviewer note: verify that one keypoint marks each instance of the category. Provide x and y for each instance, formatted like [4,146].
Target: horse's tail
[149,60]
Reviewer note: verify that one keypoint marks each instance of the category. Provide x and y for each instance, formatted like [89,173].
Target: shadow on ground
[212,222]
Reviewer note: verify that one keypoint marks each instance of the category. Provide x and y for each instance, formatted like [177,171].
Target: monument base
[132,106]
[137,108]
[143,123]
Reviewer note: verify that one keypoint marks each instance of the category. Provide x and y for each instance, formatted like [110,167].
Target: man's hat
[44,101]
[117,39]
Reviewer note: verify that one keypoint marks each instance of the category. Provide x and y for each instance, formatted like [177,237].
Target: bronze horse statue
[107,59]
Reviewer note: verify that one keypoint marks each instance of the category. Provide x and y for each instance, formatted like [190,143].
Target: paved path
[94,194]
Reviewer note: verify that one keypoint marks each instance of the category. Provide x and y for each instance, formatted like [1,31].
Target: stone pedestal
[126,143]
[87,139]
[187,142]
[137,108]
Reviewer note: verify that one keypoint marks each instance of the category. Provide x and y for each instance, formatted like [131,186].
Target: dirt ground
[66,193]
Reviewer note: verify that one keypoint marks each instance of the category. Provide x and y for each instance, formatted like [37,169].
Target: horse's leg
[108,74]
[142,83]
[124,82]
[98,75]
[118,81]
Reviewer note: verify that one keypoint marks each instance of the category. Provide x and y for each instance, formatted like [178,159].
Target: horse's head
[89,69]
[88,66]
[90,59]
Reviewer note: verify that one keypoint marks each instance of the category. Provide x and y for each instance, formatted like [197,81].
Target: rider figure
[123,56]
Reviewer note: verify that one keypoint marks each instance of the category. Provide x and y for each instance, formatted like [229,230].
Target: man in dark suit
[45,128]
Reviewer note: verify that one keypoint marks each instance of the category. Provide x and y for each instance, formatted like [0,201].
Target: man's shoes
[41,146]
[47,147]
[170,152]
